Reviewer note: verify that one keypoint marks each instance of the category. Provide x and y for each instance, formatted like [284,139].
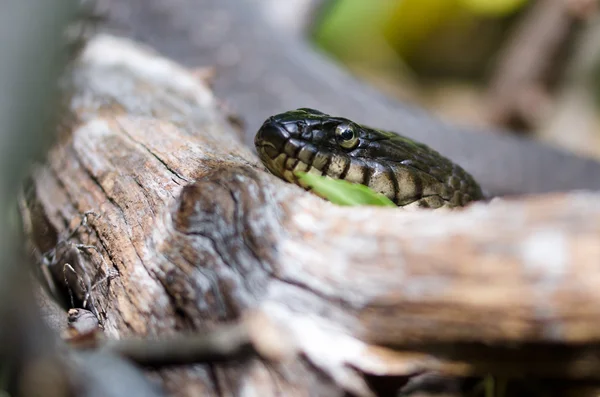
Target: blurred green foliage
[460,34]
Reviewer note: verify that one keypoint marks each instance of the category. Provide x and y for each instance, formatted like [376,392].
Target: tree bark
[200,235]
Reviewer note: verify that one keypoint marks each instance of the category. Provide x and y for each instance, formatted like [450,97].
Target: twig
[222,344]
[519,85]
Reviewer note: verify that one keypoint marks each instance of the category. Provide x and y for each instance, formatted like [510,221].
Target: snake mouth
[284,155]
[270,143]
[282,165]
[271,138]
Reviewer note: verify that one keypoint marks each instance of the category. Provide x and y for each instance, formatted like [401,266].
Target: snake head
[404,170]
[304,140]
[307,126]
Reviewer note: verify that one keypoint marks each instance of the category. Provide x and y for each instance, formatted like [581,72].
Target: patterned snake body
[407,172]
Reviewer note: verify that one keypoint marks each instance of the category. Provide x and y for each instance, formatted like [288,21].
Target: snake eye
[346,136]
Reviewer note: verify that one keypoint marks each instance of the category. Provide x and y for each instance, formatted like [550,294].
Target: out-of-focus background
[494,68]
[531,66]
[528,67]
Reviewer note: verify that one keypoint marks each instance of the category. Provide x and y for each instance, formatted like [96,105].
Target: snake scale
[407,172]
[264,68]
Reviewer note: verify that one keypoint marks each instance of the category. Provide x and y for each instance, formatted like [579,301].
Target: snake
[407,172]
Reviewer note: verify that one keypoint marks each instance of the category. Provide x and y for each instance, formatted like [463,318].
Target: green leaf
[343,193]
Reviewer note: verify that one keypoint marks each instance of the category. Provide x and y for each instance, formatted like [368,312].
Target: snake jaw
[272,159]
[270,144]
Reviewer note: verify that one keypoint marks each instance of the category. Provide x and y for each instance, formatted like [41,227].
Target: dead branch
[520,85]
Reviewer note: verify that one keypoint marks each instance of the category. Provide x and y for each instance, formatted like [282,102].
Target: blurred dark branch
[573,122]
[223,344]
[518,89]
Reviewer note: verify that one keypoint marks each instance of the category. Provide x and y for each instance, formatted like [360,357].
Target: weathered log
[200,234]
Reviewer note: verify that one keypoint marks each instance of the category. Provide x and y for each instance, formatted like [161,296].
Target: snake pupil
[344,132]
[346,135]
